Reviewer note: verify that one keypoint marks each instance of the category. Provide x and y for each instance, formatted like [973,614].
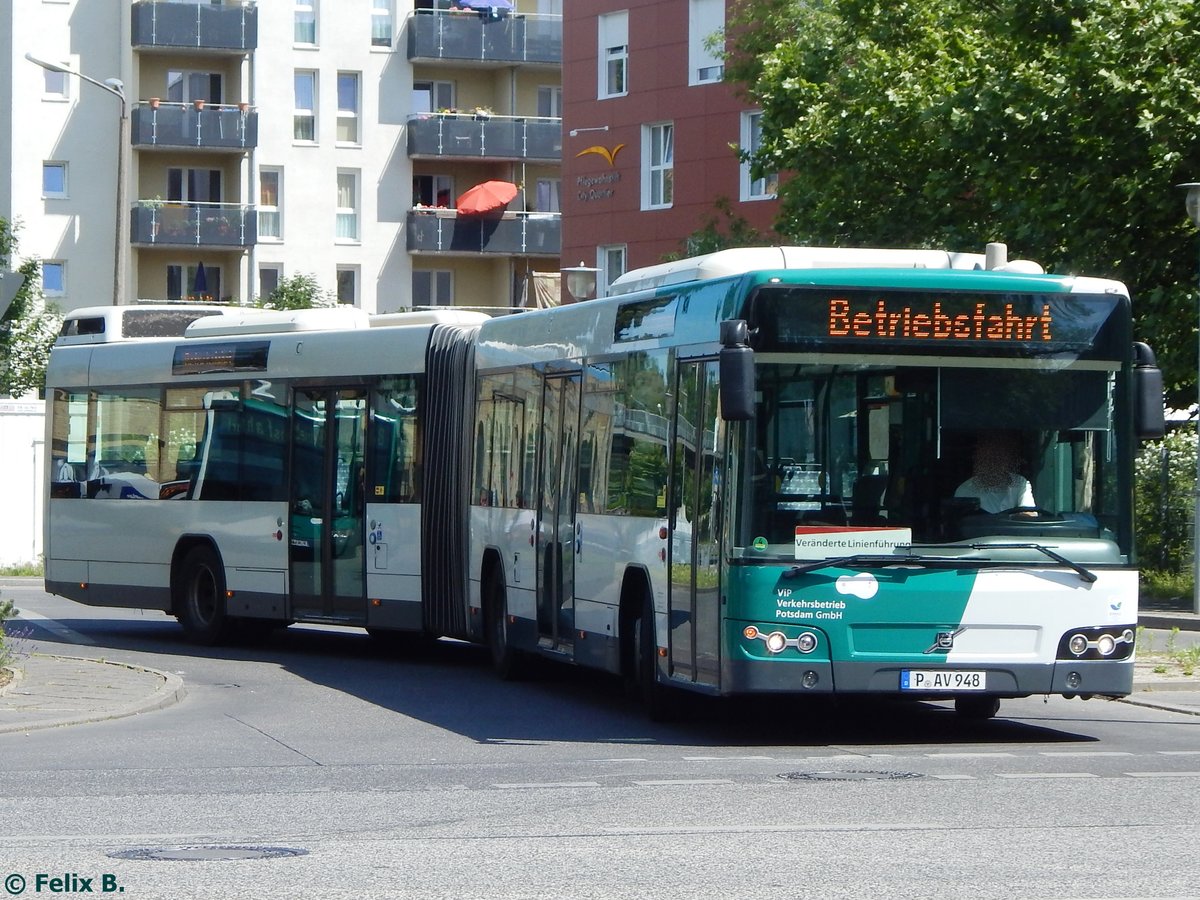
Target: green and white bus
[745,475]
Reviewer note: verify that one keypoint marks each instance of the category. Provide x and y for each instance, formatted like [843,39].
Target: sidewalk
[50,691]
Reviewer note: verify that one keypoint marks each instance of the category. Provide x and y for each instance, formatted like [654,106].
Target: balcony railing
[215,126]
[169,224]
[514,234]
[449,135]
[466,35]
[228,26]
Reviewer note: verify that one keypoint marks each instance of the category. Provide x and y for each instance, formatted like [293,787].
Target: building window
[549,195]
[766,187]
[306,22]
[194,185]
[184,86]
[347,116]
[347,285]
[269,277]
[433,288]
[612,262]
[613,31]
[54,277]
[55,85]
[347,206]
[381,23]
[433,190]
[54,180]
[706,23]
[658,165]
[193,282]
[432,96]
[304,118]
[550,102]
[270,200]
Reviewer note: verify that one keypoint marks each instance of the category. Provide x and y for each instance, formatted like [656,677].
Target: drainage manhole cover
[207,853]
[851,775]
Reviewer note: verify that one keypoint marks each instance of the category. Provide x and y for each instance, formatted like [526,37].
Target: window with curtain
[706,19]
[306,22]
[381,23]
[613,32]
[347,206]
[433,288]
[549,192]
[304,118]
[347,116]
[658,165]
[270,219]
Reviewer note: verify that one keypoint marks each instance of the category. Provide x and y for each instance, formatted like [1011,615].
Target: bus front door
[696,490]
[556,512]
[329,429]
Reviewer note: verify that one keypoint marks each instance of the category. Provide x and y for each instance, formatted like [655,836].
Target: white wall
[22,439]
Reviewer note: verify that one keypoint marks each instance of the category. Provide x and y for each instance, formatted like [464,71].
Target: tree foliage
[301,291]
[1165,508]
[1060,127]
[29,327]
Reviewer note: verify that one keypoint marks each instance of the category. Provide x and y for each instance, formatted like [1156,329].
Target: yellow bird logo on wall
[609,155]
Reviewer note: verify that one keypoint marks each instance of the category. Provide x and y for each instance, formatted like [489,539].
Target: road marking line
[1047,775]
[1163,774]
[667,781]
[549,784]
[54,627]
[1085,753]
[953,777]
[969,755]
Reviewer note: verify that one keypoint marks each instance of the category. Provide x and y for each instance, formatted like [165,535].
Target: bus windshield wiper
[1079,570]
[912,557]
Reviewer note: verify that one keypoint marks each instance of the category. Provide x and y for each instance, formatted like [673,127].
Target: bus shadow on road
[449,684]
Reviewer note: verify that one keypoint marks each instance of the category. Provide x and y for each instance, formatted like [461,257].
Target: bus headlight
[1106,644]
[807,642]
[1078,644]
[777,641]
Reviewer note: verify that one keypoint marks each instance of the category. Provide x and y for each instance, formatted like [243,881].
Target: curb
[1184,622]
[171,691]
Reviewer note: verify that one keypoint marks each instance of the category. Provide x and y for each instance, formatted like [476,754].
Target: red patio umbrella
[485,198]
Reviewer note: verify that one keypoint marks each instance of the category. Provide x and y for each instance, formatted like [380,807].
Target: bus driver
[996,482]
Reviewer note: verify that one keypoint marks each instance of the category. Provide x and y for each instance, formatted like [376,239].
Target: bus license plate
[936,680]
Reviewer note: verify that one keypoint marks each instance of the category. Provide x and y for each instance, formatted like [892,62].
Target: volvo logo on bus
[944,641]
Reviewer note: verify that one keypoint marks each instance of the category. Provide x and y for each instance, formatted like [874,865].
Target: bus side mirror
[737,372]
[1149,420]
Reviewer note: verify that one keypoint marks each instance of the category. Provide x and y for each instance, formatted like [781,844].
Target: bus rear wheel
[508,662]
[200,606]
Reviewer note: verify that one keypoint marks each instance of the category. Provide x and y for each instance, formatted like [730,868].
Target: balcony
[468,36]
[207,225]
[230,26]
[172,126]
[462,136]
[515,234]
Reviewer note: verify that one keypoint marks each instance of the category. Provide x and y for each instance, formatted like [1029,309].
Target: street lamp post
[115,87]
[1192,203]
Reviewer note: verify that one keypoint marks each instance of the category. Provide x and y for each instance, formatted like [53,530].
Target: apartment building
[652,133]
[273,139]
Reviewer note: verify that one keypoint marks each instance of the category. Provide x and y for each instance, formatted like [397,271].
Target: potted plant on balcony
[154,102]
[483,112]
[198,103]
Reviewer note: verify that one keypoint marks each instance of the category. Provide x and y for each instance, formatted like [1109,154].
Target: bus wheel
[509,662]
[976,708]
[655,696]
[200,606]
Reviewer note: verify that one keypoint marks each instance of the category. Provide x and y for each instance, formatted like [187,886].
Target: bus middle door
[556,512]
[327,503]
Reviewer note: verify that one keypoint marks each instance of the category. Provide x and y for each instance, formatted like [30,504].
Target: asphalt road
[318,765]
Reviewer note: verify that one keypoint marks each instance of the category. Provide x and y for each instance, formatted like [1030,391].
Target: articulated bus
[752,472]
[240,468]
[743,476]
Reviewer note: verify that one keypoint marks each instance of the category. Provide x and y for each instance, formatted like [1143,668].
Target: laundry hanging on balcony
[485,198]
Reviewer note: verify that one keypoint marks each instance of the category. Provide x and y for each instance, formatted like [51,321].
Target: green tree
[1060,127]
[29,327]
[301,291]
[1165,502]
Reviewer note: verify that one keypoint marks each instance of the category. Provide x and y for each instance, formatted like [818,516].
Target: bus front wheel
[200,606]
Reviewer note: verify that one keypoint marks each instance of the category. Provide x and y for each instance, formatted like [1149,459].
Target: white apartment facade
[278,138]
